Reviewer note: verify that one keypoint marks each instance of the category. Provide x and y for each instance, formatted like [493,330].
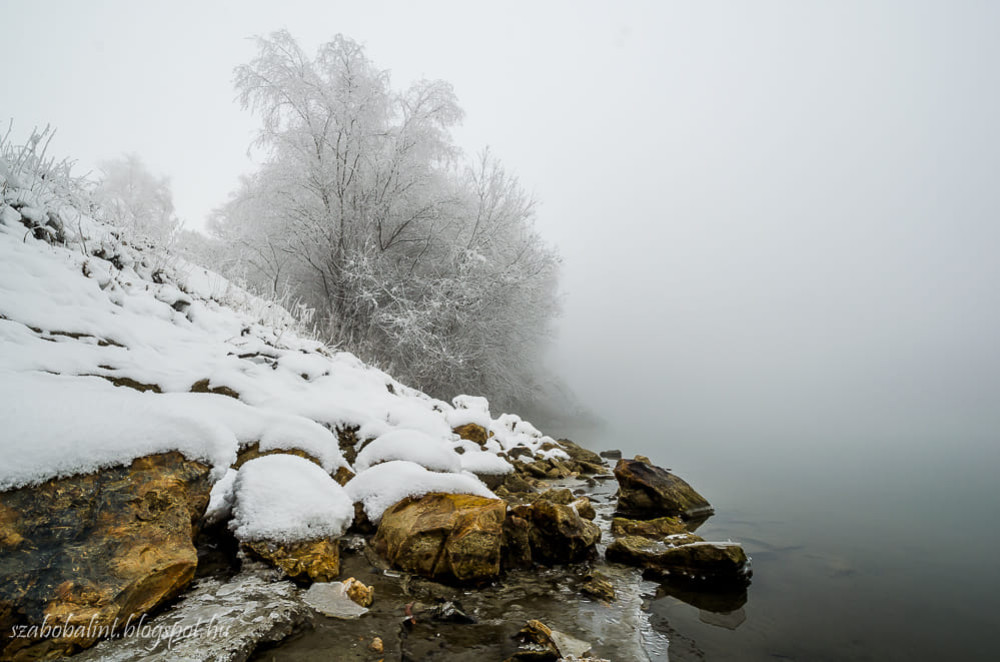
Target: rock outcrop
[96,549]
[557,533]
[445,537]
[703,561]
[647,491]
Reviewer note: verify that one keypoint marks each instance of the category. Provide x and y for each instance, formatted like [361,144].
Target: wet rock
[722,562]
[446,537]
[584,508]
[473,432]
[357,591]
[562,496]
[517,484]
[646,491]
[516,542]
[611,454]
[660,528]
[598,586]
[313,560]
[544,643]
[93,548]
[376,646]
[558,533]
[578,453]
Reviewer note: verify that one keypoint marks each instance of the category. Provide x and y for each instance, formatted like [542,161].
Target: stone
[309,561]
[657,529]
[561,495]
[722,562]
[445,537]
[558,533]
[549,644]
[97,547]
[580,454]
[611,454]
[376,646]
[598,586]
[646,491]
[252,452]
[516,542]
[357,591]
[473,432]
[584,508]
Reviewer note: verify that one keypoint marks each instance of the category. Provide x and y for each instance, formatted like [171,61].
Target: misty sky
[779,220]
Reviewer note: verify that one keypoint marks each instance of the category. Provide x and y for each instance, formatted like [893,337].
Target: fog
[779,221]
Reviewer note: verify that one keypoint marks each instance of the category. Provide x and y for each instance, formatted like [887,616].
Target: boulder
[309,561]
[646,491]
[558,533]
[723,562]
[445,537]
[90,549]
[661,528]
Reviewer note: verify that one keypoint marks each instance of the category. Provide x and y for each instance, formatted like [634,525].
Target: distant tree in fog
[416,259]
[136,200]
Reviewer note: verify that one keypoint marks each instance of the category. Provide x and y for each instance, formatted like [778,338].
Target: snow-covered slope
[103,345]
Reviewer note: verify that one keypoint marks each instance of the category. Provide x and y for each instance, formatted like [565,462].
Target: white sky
[779,219]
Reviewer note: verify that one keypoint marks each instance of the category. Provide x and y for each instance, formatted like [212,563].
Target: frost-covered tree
[366,209]
[136,200]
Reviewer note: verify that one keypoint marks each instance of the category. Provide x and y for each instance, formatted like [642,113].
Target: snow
[384,485]
[411,445]
[220,500]
[74,318]
[288,499]
[484,462]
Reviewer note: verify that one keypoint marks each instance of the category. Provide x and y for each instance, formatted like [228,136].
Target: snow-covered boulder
[385,485]
[290,512]
[445,537]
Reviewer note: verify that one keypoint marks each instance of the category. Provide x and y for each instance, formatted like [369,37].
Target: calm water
[864,553]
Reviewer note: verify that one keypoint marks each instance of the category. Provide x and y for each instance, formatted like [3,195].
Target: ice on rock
[288,499]
[331,599]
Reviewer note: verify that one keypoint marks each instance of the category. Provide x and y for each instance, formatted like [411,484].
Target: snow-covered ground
[101,343]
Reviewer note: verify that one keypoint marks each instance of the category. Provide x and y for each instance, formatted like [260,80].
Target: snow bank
[288,499]
[384,485]
[76,317]
[413,446]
